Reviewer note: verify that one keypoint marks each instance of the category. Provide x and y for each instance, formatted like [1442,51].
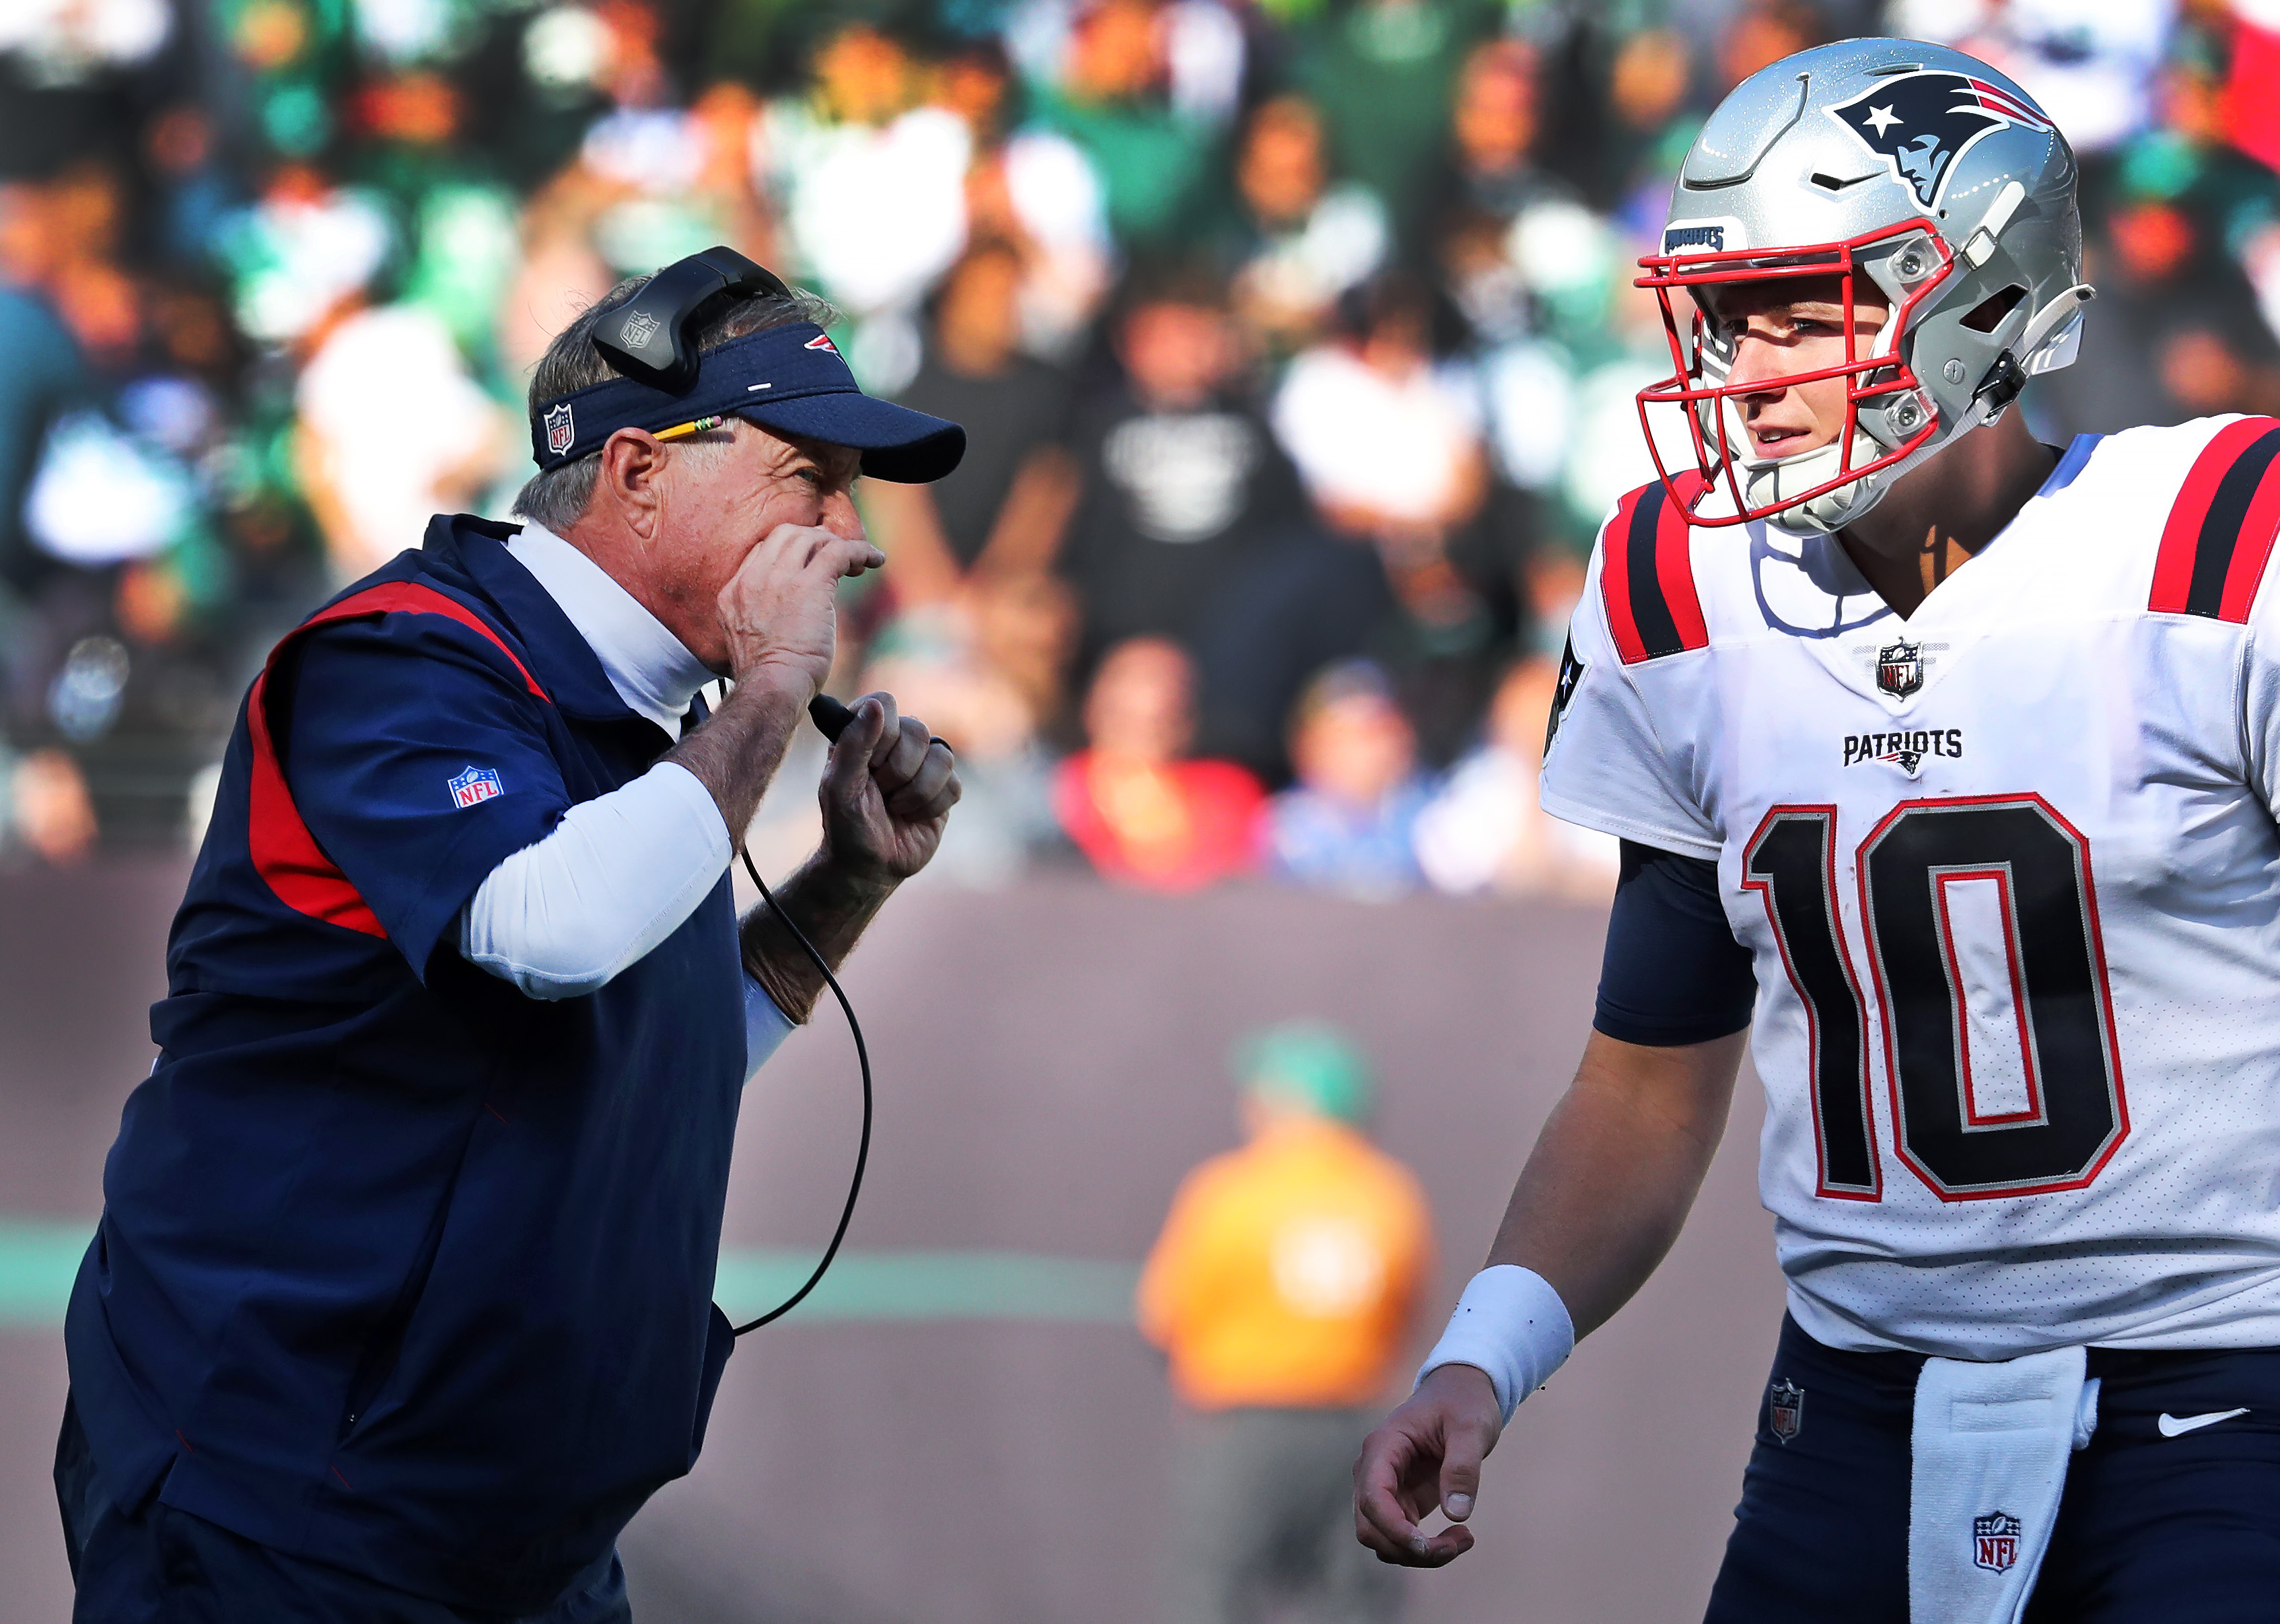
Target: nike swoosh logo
[2171,1426]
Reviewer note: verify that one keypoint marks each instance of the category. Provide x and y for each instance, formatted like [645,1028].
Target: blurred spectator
[1109,91]
[1004,510]
[1493,126]
[1349,824]
[986,672]
[48,811]
[873,180]
[1487,830]
[1182,478]
[1381,72]
[1385,440]
[1283,1289]
[393,431]
[1298,241]
[2092,68]
[1132,802]
[1389,444]
[44,375]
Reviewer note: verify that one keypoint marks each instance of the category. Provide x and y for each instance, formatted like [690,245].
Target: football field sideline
[38,1257]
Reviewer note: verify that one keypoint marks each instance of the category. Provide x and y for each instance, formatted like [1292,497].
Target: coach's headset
[651,339]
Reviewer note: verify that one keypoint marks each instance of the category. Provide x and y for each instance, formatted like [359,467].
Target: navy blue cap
[791,379]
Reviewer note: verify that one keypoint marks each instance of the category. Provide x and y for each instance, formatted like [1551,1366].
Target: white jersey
[2009,873]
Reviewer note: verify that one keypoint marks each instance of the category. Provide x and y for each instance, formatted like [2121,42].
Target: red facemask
[1874,381]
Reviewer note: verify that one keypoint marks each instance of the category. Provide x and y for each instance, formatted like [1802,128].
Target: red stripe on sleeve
[2173,565]
[406,597]
[1674,563]
[1615,579]
[285,853]
[2249,554]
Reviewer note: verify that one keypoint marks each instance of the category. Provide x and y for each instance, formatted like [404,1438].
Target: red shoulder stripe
[408,597]
[2221,529]
[1615,577]
[1646,573]
[285,853]
[1674,563]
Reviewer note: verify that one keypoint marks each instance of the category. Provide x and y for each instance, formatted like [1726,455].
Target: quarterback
[1946,764]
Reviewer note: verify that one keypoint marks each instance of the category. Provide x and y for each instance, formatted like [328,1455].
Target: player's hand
[1427,1453]
[887,794]
[779,611]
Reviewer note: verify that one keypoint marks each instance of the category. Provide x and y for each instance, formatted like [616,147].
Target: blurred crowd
[1295,340]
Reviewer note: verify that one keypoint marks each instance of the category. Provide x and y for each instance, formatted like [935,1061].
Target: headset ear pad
[651,338]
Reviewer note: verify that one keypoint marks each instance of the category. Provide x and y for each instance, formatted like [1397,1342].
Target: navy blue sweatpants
[161,1566]
[2183,1529]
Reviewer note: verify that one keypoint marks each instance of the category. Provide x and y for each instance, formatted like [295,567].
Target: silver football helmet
[1915,167]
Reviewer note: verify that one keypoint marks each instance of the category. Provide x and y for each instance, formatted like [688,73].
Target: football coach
[400,1306]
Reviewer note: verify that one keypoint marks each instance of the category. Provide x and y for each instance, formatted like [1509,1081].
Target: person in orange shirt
[1284,1289]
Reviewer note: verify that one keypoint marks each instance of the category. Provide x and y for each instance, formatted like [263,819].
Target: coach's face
[688,511]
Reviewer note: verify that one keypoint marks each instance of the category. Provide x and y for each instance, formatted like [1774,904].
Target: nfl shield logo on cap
[474,786]
[560,433]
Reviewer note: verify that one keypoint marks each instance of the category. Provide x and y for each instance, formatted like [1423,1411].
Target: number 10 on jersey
[1991,1095]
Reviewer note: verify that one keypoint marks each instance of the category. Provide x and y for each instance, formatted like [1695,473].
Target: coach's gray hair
[556,497]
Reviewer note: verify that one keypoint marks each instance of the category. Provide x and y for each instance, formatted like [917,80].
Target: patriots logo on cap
[1921,123]
[474,786]
[822,341]
[561,434]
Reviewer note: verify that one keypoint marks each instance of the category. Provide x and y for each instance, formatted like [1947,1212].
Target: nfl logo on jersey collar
[474,786]
[1899,664]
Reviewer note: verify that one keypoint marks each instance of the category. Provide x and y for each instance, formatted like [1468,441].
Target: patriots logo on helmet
[1921,123]
[821,341]
[561,434]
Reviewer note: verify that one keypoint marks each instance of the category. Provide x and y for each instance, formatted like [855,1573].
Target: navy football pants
[165,1566]
[2182,1530]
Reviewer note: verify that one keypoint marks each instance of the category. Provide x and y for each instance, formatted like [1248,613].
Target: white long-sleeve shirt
[622,872]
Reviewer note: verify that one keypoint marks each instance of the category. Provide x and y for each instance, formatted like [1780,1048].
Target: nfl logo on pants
[1995,1540]
[474,786]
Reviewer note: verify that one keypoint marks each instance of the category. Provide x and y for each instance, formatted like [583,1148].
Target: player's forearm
[831,904]
[737,751]
[1616,1168]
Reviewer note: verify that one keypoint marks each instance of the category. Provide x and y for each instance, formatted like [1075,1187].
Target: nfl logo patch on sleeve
[474,786]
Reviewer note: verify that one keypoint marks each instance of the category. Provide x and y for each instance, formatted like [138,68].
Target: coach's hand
[1427,1453]
[779,610]
[886,795]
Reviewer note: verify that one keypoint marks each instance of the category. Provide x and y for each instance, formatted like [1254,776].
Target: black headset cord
[831,719]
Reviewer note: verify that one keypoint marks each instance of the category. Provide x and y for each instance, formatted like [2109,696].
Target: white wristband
[1510,1325]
